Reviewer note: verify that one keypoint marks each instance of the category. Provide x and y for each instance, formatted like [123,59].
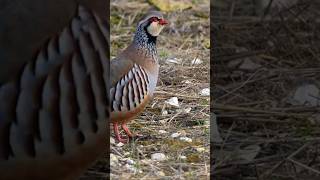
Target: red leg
[129,133]
[126,129]
[117,134]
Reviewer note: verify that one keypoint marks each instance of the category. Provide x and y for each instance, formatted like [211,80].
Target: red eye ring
[153,19]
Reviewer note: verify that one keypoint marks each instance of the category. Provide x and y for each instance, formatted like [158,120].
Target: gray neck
[146,42]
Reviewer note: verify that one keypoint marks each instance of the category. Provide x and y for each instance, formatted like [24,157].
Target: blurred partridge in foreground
[54,106]
[134,73]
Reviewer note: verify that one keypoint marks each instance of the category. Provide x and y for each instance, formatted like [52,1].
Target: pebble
[187,110]
[112,141]
[130,162]
[120,144]
[200,149]
[130,168]
[183,157]
[160,173]
[162,132]
[113,160]
[205,92]
[158,157]
[173,102]
[185,139]
[164,113]
[174,135]
[186,82]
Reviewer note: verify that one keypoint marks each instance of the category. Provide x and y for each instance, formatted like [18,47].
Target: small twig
[304,166]
[239,87]
[251,110]
[180,95]
[299,150]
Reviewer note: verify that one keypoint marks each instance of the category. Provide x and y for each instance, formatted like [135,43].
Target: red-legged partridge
[134,73]
[53,114]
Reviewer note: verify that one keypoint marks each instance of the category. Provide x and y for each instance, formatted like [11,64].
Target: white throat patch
[154,28]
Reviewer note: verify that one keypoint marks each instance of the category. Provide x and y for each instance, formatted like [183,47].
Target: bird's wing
[129,91]
[53,117]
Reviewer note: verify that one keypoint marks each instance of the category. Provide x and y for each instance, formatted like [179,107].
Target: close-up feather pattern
[130,91]
[54,115]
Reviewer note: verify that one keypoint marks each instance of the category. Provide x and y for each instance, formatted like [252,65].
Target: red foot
[127,131]
[117,134]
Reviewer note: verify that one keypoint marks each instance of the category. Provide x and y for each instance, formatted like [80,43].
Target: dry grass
[186,38]
[251,104]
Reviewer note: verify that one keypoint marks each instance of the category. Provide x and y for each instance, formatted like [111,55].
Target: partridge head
[134,73]
[154,23]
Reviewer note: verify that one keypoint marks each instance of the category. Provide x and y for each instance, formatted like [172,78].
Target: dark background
[265,90]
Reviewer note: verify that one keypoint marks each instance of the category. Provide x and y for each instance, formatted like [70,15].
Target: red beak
[163,22]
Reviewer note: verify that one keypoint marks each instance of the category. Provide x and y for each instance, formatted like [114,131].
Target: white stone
[200,149]
[187,110]
[162,131]
[186,82]
[205,92]
[164,113]
[185,139]
[173,102]
[130,162]
[160,173]
[130,168]
[183,157]
[120,144]
[112,141]
[306,94]
[113,160]
[158,157]
[174,135]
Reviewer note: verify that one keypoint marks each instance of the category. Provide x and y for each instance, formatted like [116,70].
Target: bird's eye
[154,19]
